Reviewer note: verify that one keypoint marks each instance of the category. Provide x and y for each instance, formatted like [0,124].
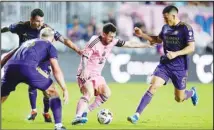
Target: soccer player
[30,30]
[89,77]
[178,42]
[22,67]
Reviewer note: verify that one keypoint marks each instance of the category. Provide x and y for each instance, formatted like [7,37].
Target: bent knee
[51,92]
[153,88]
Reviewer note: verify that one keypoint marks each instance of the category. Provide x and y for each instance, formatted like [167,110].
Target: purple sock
[32,96]
[46,104]
[56,107]
[188,94]
[144,102]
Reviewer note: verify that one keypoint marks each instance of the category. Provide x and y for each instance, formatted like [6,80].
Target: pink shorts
[98,82]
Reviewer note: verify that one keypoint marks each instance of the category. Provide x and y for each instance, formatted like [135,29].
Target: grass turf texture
[162,113]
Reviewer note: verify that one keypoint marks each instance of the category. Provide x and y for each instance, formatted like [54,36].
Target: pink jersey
[97,54]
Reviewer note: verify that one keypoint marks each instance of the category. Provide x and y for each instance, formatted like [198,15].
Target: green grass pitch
[162,113]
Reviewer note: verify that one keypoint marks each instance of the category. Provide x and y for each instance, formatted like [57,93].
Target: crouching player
[22,67]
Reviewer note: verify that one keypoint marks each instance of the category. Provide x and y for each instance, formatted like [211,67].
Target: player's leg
[56,106]
[45,67]
[159,79]
[41,81]
[179,79]
[46,115]
[32,93]
[87,90]
[102,93]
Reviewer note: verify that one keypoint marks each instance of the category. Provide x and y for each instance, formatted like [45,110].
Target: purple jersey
[174,39]
[33,52]
[25,32]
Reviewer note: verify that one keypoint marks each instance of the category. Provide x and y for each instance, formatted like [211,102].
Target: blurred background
[78,21]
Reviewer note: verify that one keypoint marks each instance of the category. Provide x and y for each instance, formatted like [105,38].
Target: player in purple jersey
[23,67]
[30,30]
[178,42]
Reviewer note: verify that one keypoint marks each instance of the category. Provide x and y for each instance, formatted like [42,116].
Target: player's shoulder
[185,25]
[93,41]
[94,37]
[23,23]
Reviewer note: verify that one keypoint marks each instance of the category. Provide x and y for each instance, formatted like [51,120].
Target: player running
[22,67]
[30,30]
[178,42]
[89,77]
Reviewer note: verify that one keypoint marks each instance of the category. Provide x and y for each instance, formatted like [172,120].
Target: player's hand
[171,54]
[65,96]
[138,31]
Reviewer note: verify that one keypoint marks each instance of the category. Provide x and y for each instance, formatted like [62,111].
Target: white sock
[34,110]
[58,125]
[137,114]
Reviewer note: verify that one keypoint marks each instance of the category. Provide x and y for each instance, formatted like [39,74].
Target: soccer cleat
[194,97]
[60,128]
[47,117]
[79,120]
[133,119]
[32,115]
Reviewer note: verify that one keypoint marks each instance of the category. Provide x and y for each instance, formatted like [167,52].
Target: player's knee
[153,88]
[51,92]
[179,99]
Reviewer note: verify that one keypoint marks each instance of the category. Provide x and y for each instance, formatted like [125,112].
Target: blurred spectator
[89,33]
[75,31]
[202,39]
[124,22]
[110,19]
[92,22]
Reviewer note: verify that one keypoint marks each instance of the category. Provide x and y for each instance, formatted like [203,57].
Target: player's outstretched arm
[132,44]
[59,77]
[69,43]
[6,57]
[151,39]
[4,29]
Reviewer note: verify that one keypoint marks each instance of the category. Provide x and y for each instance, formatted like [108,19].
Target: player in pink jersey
[89,77]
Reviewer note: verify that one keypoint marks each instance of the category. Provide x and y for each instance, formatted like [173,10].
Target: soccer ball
[104,116]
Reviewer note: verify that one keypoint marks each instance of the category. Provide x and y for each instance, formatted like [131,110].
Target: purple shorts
[178,77]
[16,73]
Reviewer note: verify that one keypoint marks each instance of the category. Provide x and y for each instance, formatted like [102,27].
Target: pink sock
[81,106]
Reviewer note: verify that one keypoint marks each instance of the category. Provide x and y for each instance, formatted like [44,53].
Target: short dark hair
[109,27]
[37,12]
[170,8]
